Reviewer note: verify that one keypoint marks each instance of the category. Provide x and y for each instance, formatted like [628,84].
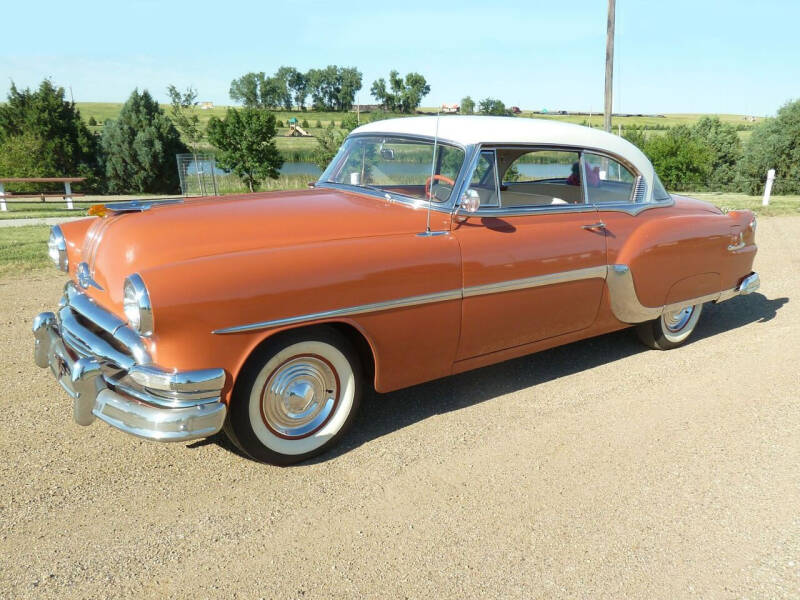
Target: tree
[329,140]
[774,144]
[246,89]
[492,106]
[680,159]
[92,122]
[140,148]
[726,147]
[467,106]
[298,84]
[43,134]
[183,111]
[246,144]
[333,88]
[401,95]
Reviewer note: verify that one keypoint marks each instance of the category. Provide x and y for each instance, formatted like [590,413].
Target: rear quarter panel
[679,252]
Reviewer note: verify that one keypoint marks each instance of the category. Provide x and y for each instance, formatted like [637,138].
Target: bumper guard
[143,400]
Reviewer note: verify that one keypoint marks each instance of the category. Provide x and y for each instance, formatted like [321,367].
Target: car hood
[123,243]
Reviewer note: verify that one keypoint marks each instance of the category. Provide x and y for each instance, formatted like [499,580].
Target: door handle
[599,225]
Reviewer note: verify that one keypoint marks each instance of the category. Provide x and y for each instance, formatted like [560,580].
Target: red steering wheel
[430,180]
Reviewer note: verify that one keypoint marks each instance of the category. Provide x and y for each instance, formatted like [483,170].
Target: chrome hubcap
[299,396]
[676,320]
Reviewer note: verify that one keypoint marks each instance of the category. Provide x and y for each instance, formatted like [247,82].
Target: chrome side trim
[538,281]
[478,290]
[343,312]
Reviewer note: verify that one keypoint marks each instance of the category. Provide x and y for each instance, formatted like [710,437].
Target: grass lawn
[778,205]
[23,249]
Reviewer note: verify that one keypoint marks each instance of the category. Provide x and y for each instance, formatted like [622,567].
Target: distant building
[451,108]
[515,110]
[205,105]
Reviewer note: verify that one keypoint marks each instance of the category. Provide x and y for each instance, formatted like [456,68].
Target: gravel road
[600,469]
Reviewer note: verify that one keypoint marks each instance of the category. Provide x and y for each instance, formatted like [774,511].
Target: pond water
[307,168]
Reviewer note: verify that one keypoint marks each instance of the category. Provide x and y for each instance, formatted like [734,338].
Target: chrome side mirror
[470,201]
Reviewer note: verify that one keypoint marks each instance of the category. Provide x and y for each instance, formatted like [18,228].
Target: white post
[3,206]
[68,195]
[768,187]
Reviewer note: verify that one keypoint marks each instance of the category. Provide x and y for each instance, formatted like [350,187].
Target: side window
[607,180]
[484,181]
[539,177]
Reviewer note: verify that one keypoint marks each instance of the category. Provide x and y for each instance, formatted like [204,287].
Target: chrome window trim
[521,211]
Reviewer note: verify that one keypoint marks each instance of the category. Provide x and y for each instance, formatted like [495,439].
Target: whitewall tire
[296,396]
[671,329]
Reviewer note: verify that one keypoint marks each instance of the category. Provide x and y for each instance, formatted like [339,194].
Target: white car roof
[467,130]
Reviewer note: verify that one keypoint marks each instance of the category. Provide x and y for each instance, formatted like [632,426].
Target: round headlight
[136,304]
[57,248]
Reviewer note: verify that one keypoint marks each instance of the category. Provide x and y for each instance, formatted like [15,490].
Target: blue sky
[676,56]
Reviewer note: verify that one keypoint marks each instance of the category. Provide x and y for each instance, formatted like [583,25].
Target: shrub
[304,124]
[319,124]
[681,161]
[92,122]
[774,144]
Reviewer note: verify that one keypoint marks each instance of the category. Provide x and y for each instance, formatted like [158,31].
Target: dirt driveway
[599,469]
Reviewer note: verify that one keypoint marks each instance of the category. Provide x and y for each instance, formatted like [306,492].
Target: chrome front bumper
[82,346]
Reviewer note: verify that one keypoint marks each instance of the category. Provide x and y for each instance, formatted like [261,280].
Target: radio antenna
[433,173]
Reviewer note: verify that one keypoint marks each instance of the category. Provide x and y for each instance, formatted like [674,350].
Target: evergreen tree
[139,148]
[42,134]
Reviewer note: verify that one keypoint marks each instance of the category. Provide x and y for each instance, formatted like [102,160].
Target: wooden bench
[68,195]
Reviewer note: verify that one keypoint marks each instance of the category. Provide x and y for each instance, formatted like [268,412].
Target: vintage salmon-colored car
[428,247]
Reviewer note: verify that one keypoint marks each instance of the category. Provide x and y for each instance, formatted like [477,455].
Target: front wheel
[671,329]
[295,397]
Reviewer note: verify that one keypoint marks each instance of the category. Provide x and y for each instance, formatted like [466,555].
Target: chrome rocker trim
[626,306]
[106,383]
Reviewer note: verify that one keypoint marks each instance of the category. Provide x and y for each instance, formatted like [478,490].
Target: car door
[533,255]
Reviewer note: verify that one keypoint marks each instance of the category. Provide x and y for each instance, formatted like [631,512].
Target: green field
[102,111]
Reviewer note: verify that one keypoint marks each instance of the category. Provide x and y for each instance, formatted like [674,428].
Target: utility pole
[609,65]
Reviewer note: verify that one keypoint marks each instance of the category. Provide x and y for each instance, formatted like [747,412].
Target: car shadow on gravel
[382,414]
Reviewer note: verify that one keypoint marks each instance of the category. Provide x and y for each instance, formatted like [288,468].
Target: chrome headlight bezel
[136,304]
[57,248]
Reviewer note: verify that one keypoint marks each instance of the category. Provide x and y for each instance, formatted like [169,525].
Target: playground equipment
[295,130]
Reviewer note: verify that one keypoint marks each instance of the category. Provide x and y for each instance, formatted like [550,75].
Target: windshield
[397,166]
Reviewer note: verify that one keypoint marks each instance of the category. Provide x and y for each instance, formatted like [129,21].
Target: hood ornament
[85,278]
[139,205]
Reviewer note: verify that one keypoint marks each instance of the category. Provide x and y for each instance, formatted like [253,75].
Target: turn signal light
[98,210]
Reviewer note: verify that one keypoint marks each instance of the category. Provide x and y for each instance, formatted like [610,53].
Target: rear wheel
[296,397]
[671,329]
